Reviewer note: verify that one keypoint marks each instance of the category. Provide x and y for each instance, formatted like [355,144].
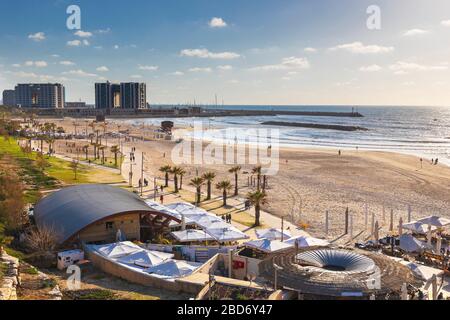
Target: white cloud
[67,63]
[22,74]
[360,48]
[55,55]
[83,34]
[200,70]
[371,68]
[177,73]
[74,43]
[310,50]
[402,67]
[217,23]
[415,32]
[80,73]
[116,46]
[78,43]
[39,36]
[103,31]
[225,68]
[16,65]
[38,64]
[148,68]
[102,69]
[206,54]
[136,76]
[445,23]
[290,63]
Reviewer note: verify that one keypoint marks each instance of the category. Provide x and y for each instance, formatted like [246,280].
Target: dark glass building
[40,95]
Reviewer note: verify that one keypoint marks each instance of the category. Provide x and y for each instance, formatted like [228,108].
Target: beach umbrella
[306,241]
[174,269]
[145,258]
[417,227]
[410,244]
[272,234]
[117,250]
[267,245]
[191,235]
[226,234]
[208,220]
[435,221]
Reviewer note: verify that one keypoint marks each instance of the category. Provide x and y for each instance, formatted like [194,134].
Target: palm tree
[166,170]
[225,186]
[197,182]
[115,150]
[95,145]
[74,166]
[86,151]
[176,172]
[257,198]
[257,170]
[235,170]
[209,178]
[182,174]
[102,149]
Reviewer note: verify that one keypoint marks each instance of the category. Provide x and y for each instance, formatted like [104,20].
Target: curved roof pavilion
[73,209]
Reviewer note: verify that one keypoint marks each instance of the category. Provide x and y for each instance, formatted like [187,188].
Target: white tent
[435,221]
[208,220]
[190,235]
[174,269]
[226,234]
[417,227]
[424,272]
[272,234]
[118,249]
[145,258]
[267,245]
[305,241]
[410,244]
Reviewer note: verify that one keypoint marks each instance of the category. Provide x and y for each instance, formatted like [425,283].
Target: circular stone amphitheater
[334,273]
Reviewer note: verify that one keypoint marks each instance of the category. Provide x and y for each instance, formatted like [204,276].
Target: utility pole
[142,174]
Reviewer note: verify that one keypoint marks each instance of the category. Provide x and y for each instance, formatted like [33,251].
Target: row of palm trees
[257,198]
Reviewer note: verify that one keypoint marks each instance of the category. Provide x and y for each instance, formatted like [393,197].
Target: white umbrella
[207,221]
[191,235]
[267,245]
[272,234]
[410,244]
[145,258]
[117,250]
[305,241]
[417,227]
[174,268]
[435,221]
[226,234]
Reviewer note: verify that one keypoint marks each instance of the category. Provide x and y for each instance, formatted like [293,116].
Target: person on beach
[161,199]
[339,152]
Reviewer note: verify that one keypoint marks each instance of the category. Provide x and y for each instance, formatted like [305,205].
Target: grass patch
[92,294]
[30,270]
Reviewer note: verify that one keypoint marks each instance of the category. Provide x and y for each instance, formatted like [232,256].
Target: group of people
[145,183]
[434,161]
[227,217]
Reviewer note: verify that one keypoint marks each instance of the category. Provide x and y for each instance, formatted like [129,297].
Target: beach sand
[313,181]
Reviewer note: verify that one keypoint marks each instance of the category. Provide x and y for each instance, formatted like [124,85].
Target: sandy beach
[312,181]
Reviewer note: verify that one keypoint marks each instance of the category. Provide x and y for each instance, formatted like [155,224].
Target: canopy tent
[226,234]
[145,258]
[117,250]
[186,209]
[305,241]
[272,234]
[417,227]
[174,269]
[209,221]
[435,221]
[266,245]
[410,244]
[164,209]
[424,272]
[190,235]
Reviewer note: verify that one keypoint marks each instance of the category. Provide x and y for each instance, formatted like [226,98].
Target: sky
[266,52]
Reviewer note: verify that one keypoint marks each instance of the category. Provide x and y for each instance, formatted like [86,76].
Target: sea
[420,131]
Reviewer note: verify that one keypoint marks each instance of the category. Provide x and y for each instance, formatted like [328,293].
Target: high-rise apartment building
[40,95]
[9,98]
[125,96]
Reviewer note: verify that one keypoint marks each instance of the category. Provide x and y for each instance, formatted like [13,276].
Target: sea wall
[11,279]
